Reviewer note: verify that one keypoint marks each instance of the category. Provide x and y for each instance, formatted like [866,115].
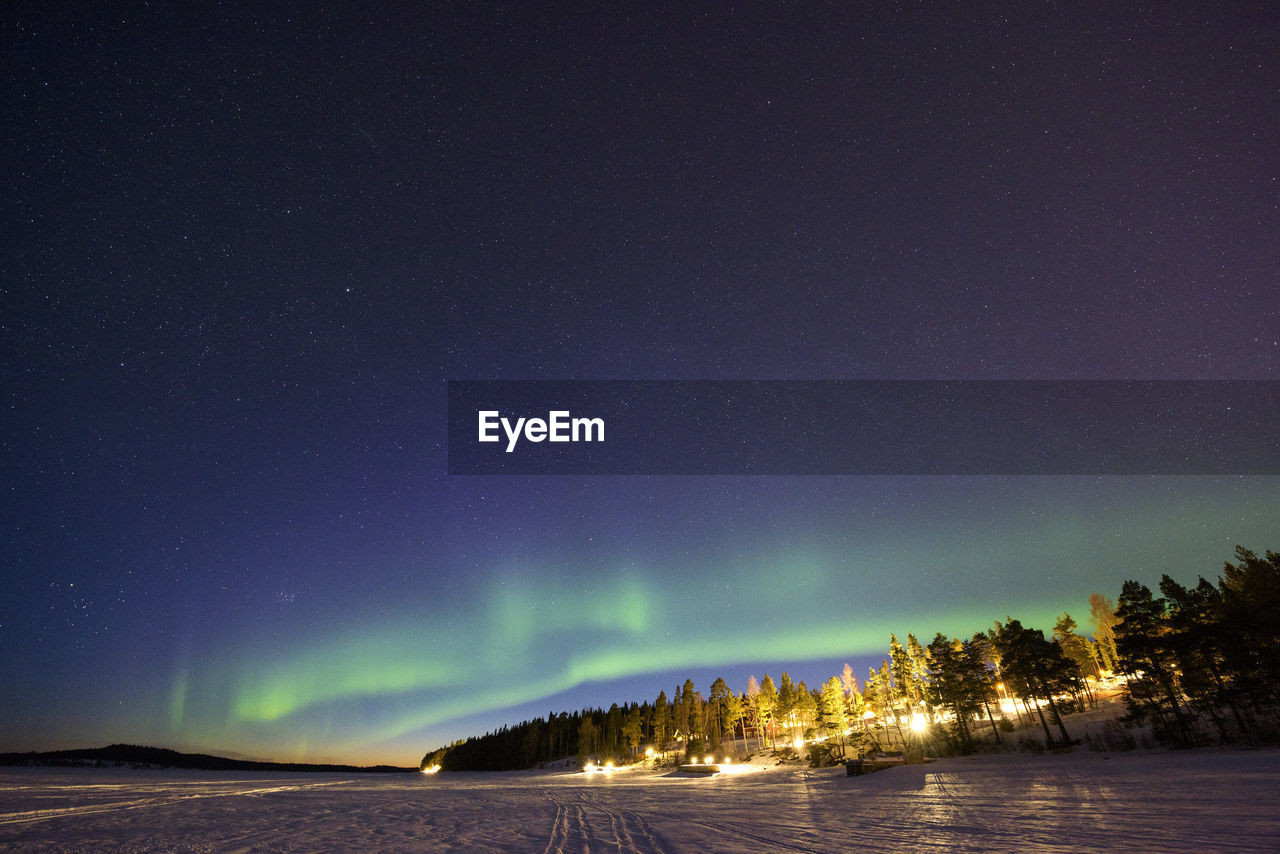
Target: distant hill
[133,756]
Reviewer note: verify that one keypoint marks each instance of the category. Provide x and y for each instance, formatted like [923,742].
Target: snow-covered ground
[1193,801]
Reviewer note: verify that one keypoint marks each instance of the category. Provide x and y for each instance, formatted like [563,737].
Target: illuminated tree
[806,707]
[733,712]
[907,688]
[1076,648]
[787,698]
[848,683]
[1103,612]
[832,718]
[882,695]
[765,703]
[918,656]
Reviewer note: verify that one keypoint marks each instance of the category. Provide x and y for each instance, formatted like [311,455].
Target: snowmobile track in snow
[572,828]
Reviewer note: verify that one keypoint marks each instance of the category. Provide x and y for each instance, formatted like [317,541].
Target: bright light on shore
[728,767]
[431,769]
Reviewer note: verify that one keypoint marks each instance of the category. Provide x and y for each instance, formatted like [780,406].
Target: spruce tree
[806,708]
[661,722]
[766,705]
[633,730]
[832,718]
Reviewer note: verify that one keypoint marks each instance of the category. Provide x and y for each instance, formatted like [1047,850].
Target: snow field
[1187,801]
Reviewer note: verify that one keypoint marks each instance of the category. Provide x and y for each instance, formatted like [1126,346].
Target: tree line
[1203,663]
[1197,661]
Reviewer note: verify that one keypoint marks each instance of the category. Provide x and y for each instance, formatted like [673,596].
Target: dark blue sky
[243,249]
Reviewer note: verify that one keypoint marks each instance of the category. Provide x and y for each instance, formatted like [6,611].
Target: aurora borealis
[244,250]
[706,578]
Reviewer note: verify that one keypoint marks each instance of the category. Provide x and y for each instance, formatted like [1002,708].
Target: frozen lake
[1192,801]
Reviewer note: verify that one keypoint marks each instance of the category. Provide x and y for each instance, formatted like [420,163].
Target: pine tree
[1196,638]
[1038,669]
[717,701]
[993,643]
[919,658]
[1250,612]
[1142,643]
[1076,648]
[907,687]
[959,681]
[978,652]
[786,709]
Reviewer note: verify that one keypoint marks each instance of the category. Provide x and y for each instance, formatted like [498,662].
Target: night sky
[242,250]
